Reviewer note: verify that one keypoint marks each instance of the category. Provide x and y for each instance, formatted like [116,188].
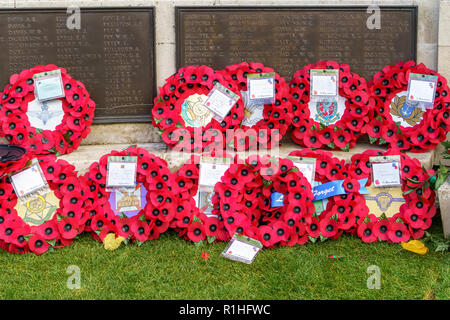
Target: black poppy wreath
[154,200]
[415,213]
[181,117]
[50,221]
[77,106]
[13,158]
[262,127]
[347,127]
[402,126]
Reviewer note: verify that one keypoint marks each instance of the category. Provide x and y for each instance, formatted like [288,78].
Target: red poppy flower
[68,228]
[398,232]
[268,237]
[328,228]
[313,228]
[196,232]
[205,255]
[366,232]
[38,244]
[351,185]
[312,140]
[140,230]
[381,229]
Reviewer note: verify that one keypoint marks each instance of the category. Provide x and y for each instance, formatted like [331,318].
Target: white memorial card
[243,249]
[386,171]
[48,85]
[210,172]
[121,172]
[324,82]
[307,166]
[221,100]
[422,91]
[28,181]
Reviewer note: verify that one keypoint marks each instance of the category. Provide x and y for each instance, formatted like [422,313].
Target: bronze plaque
[288,38]
[112,54]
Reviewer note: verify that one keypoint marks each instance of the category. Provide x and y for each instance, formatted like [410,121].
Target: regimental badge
[128,201]
[384,200]
[194,112]
[253,111]
[45,115]
[205,201]
[327,112]
[38,209]
[406,110]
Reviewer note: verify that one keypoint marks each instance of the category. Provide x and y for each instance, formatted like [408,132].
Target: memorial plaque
[288,38]
[112,54]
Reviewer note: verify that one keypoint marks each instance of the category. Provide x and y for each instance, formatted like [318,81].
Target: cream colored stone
[438,158]
[165,62]
[444,23]
[84,156]
[444,61]
[176,159]
[427,54]
[165,22]
[122,133]
[444,205]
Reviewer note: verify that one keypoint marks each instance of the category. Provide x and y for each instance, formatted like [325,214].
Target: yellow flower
[111,242]
[415,246]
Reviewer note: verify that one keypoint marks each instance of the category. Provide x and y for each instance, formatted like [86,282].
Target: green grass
[172,268]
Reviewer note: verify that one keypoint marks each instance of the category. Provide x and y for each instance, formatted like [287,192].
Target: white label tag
[121,174]
[28,181]
[210,173]
[241,251]
[386,174]
[261,88]
[221,100]
[307,169]
[422,91]
[324,85]
[48,85]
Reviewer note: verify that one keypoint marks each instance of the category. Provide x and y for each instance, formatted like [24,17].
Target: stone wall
[427,44]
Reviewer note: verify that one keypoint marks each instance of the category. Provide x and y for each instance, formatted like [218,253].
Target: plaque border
[179,9]
[151,9]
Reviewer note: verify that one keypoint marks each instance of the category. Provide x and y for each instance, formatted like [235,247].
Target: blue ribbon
[335,188]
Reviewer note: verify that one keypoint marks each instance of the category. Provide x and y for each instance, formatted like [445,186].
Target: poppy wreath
[245,202]
[68,221]
[151,220]
[331,222]
[189,216]
[342,134]
[172,102]
[77,106]
[415,214]
[276,116]
[420,131]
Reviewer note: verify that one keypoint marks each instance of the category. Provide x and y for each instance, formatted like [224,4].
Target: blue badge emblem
[327,112]
[407,109]
[276,200]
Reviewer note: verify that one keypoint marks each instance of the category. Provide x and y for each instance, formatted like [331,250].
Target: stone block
[84,156]
[119,133]
[444,205]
